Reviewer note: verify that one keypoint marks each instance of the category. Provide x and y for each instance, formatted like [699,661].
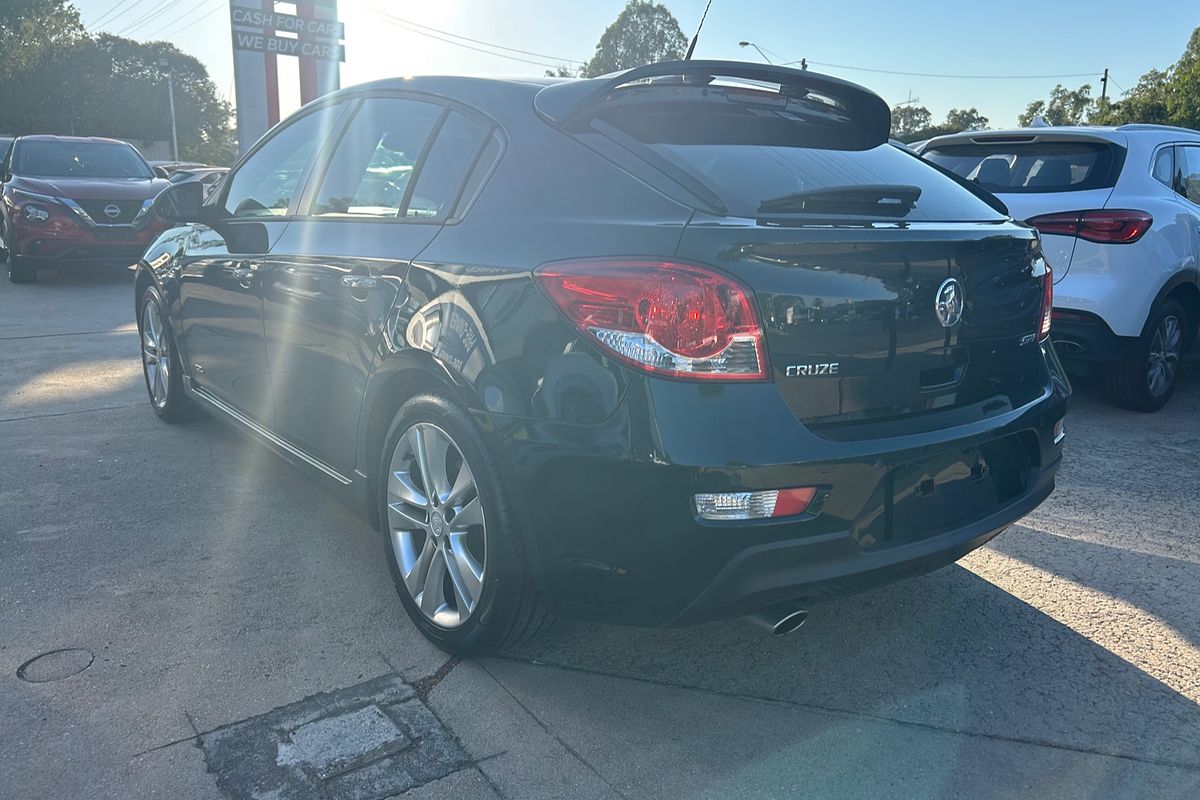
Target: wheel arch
[1187,294]
[1184,289]
[396,381]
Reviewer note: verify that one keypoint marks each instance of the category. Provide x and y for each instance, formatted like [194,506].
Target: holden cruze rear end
[686,342]
[831,372]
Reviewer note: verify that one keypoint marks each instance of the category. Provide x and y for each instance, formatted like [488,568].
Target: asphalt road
[223,627]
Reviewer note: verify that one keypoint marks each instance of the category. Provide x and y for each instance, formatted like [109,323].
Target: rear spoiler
[569,104]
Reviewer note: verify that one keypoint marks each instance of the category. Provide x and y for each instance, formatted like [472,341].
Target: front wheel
[1146,382]
[160,363]
[20,270]
[456,559]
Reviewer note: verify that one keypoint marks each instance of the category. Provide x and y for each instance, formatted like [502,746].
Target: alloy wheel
[1166,350]
[156,354]
[437,525]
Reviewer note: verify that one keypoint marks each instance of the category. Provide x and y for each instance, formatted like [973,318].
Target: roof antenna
[692,46]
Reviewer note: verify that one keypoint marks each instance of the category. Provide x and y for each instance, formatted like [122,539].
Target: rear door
[333,276]
[1037,174]
[220,283]
[1187,186]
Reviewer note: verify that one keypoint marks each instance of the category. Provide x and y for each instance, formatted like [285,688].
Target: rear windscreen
[745,175]
[1032,167]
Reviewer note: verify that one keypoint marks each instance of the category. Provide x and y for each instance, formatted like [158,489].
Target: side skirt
[351,490]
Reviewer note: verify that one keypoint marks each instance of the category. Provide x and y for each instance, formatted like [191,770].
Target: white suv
[1119,213]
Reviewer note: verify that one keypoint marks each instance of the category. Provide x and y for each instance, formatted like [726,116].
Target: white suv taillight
[664,317]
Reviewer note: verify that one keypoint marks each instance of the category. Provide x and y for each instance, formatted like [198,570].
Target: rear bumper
[1085,337]
[613,537]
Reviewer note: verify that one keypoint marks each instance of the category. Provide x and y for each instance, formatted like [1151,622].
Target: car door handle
[245,272]
[359,282]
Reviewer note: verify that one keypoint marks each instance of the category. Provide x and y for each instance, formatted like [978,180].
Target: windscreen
[1044,166]
[744,176]
[51,159]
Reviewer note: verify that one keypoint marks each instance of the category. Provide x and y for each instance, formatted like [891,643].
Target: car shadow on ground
[949,650]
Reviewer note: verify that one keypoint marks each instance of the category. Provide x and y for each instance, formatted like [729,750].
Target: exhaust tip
[790,623]
[781,619]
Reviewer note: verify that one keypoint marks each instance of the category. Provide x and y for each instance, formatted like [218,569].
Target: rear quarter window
[1033,167]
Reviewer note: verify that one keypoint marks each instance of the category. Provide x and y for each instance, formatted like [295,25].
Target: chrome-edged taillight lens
[668,318]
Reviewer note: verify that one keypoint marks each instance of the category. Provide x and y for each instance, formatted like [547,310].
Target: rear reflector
[1106,226]
[671,319]
[755,505]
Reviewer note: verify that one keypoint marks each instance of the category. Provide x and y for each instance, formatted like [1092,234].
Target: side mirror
[180,202]
[162,172]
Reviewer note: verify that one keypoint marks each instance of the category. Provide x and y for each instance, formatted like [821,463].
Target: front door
[221,283]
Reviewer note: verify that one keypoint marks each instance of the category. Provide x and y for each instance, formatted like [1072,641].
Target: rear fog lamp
[755,505]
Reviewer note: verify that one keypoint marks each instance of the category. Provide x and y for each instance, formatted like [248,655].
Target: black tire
[508,610]
[20,270]
[1131,384]
[173,406]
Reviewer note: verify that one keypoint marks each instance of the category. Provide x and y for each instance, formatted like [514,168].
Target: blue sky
[1067,37]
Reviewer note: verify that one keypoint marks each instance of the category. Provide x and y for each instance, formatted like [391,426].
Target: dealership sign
[261,43]
[260,35]
[274,21]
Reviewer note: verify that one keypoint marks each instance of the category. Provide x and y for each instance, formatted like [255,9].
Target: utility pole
[1104,87]
[166,65]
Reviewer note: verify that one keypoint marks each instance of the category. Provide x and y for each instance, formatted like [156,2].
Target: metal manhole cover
[55,665]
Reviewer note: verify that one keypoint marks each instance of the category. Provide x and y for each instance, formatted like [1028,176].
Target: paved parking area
[217,627]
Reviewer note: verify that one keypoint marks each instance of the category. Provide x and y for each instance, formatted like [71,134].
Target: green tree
[1065,107]
[966,119]
[135,99]
[46,64]
[1145,102]
[908,120]
[643,33]
[563,71]
[1183,100]
[54,78]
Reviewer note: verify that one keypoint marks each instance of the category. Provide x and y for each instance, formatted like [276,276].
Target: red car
[75,200]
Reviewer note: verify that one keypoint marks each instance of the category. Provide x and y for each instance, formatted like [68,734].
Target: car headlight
[33,207]
[35,213]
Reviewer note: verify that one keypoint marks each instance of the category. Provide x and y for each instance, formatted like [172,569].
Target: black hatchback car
[684,342]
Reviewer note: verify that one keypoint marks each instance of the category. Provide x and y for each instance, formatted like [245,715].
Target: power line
[410,24]
[174,23]
[471,47]
[943,75]
[109,16]
[139,22]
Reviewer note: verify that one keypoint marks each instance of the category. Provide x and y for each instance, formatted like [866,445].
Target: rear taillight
[1106,226]
[671,319]
[1047,305]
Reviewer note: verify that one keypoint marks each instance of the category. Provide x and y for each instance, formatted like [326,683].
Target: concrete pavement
[214,587]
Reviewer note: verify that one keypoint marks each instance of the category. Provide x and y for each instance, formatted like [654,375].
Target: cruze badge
[811,370]
[949,303]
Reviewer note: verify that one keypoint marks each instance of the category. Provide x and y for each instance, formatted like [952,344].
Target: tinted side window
[1188,169]
[441,176]
[1164,167]
[268,182]
[372,165]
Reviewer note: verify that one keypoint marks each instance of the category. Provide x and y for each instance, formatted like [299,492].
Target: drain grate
[366,742]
